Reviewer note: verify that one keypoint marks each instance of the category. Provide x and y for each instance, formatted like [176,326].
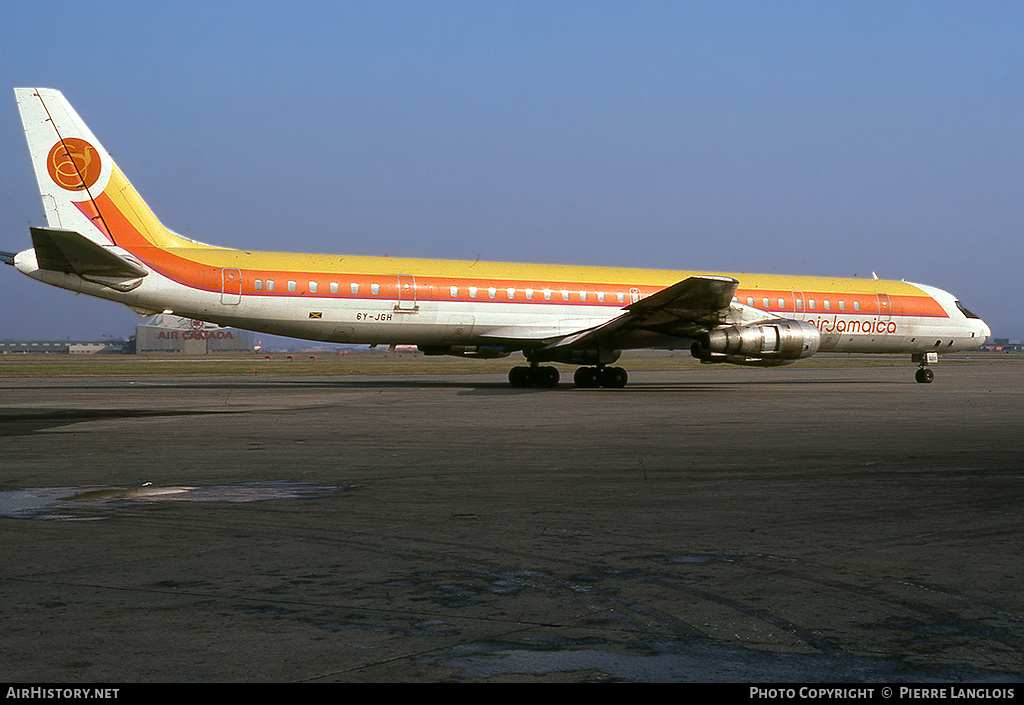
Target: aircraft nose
[985,330]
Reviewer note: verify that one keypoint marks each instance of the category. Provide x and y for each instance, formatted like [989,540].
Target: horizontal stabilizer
[72,253]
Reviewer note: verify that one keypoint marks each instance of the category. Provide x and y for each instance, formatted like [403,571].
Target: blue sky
[833,138]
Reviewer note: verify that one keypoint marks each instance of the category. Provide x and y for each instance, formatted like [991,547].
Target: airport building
[77,347]
[1003,345]
[163,334]
[173,334]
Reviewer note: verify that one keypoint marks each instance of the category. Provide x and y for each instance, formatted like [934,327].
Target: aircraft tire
[614,377]
[924,376]
[586,377]
[520,377]
[547,377]
[608,377]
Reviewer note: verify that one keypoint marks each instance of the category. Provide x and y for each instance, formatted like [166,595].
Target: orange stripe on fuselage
[163,261]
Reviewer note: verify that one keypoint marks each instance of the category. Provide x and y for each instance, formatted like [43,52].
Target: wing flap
[697,299]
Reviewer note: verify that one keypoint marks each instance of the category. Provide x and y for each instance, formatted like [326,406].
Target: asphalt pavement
[730,525]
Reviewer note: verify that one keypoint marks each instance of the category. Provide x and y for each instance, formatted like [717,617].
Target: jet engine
[767,344]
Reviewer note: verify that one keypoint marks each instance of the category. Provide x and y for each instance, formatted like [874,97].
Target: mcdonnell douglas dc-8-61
[103,240]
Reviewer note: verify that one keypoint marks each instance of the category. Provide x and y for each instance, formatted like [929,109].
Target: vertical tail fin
[70,163]
[81,186]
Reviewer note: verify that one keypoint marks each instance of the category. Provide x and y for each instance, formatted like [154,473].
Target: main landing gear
[600,376]
[924,375]
[533,376]
[585,377]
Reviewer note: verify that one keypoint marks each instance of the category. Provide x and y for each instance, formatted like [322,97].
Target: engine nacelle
[764,344]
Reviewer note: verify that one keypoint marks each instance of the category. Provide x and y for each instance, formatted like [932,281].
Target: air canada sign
[194,334]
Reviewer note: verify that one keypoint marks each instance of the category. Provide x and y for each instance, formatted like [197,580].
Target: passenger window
[810,303]
[621,297]
[270,285]
[258,285]
[472,291]
[565,295]
[374,288]
[291,286]
[312,287]
[782,303]
[511,293]
[583,296]
[856,305]
[842,305]
[764,302]
[547,294]
[827,305]
[454,290]
[750,301]
[334,287]
[355,288]
[492,292]
[529,293]
[600,296]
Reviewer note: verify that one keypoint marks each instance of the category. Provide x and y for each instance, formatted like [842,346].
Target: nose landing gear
[923,374]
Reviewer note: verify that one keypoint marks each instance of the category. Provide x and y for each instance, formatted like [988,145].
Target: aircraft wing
[678,311]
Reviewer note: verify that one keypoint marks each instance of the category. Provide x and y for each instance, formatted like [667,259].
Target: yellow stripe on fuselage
[129,203]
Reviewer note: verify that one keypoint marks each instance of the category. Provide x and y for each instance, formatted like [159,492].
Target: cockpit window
[964,310]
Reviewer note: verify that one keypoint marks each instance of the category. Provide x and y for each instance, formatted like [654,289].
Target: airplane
[103,240]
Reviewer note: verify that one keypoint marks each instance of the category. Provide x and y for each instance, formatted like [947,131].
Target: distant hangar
[188,336]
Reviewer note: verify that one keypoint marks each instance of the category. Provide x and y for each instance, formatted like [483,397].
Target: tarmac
[714,525]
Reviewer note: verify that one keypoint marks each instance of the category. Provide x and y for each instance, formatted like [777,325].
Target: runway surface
[701,525]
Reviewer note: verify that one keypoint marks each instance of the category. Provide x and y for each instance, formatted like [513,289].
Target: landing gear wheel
[608,377]
[520,377]
[534,376]
[924,375]
[586,377]
[546,377]
[614,377]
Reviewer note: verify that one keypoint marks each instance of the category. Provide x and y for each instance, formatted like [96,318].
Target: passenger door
[231,286]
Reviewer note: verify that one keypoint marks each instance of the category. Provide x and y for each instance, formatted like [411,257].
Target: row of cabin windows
[811,303]
[474,292]
[268,285]
[531,294]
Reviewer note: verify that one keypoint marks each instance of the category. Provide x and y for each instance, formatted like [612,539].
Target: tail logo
[74,164]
